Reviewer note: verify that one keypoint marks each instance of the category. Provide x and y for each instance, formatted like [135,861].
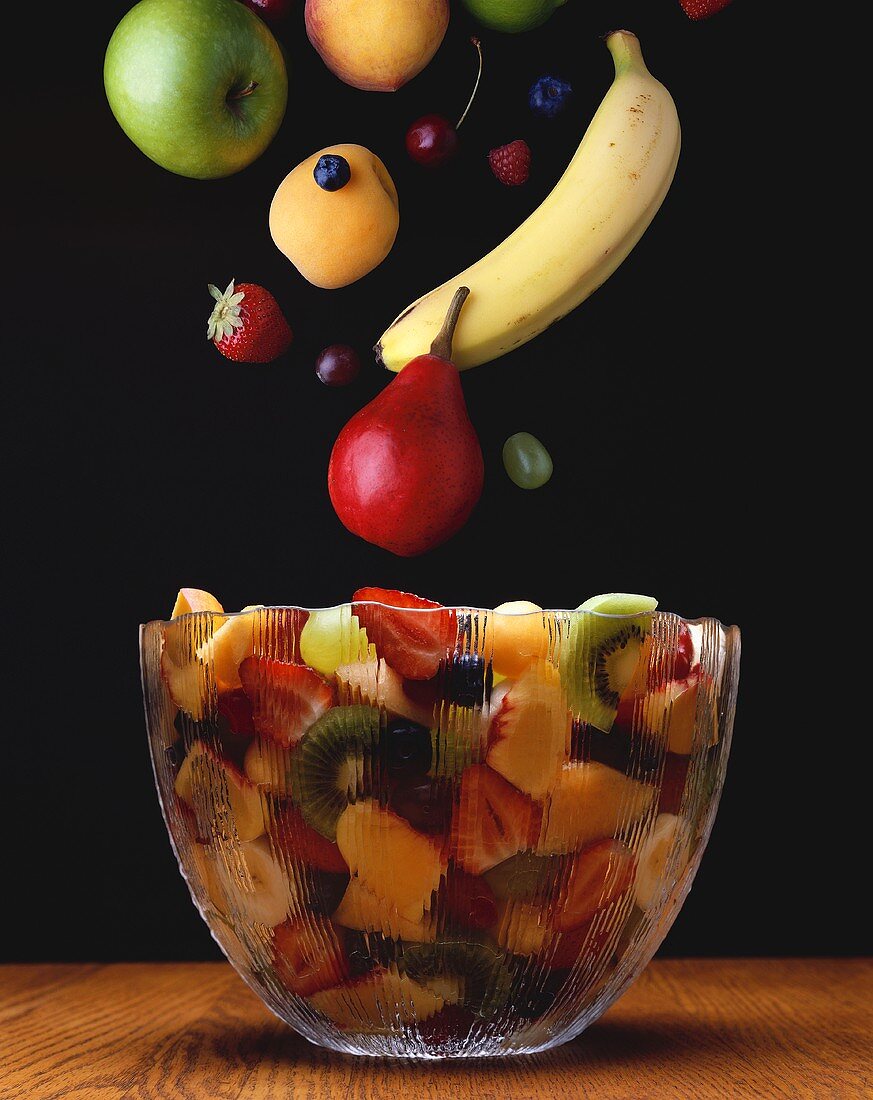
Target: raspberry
[511,163]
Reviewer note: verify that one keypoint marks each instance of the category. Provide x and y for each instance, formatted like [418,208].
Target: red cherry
[271,11]
[432,140]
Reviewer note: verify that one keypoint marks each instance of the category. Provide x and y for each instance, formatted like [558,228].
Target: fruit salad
[428,830]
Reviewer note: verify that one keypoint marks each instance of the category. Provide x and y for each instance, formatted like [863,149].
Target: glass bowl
[444,832]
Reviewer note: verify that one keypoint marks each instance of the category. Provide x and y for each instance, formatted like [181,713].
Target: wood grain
[688,1030]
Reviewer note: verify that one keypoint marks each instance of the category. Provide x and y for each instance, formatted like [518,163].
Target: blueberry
[332,172]
[467,679]
[548,96]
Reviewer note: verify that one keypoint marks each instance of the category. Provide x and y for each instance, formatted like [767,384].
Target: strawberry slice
[413,635]
[286,698]
[600,874]
[308,956]
[298,840]
[493,820]
[702,9]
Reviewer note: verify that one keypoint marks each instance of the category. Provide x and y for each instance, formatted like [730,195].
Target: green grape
[527,461]
[331,638]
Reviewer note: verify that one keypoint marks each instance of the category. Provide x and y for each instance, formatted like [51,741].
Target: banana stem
[442,345]
[625,49]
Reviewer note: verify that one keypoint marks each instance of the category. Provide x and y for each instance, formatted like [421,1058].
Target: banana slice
[669,841]
[246,884]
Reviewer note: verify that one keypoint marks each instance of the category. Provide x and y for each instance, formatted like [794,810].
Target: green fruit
[602,653]
[331,638]
[526,460]
[198,85]
[523,877]
[485,979]
[513,15]
[333,764]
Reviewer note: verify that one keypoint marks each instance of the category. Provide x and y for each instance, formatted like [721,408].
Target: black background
[142,461]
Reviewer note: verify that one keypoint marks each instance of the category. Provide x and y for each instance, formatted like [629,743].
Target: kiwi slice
[333,765]
[603,652]
[524,876]
[486,978]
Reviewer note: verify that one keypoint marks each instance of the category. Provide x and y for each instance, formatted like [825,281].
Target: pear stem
[442,345]
[478,46]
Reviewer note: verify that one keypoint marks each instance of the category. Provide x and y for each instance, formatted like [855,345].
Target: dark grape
[408,748]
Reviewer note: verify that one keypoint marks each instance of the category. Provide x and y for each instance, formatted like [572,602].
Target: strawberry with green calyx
[247,324]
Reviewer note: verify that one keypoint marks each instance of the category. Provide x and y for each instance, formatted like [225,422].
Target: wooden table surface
[688,1029]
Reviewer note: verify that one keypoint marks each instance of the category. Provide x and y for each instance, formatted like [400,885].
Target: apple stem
[442,345]
[478,46]
[247,90]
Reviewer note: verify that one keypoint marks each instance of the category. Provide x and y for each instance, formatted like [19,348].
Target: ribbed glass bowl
[438,833]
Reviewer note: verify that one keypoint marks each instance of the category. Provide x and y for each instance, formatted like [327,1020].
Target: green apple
[513,16]
[198,85]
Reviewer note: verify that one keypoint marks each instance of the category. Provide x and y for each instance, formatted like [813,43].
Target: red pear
[406,471]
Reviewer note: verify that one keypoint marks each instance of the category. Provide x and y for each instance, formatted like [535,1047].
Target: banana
[573,242]
[667,847]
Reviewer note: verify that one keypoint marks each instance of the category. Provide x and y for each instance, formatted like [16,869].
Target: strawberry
[247,325]
[298,840]
[511,163]
[492,822]
[286,698]
[415,639]
[702,9]
[600,874]
[307,955]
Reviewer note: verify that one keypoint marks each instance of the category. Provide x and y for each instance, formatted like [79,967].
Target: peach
[376,45]
[206,779]
[588,802]
[194,599]
[363,910]
[334,238]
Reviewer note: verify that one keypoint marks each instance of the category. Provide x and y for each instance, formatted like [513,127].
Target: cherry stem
[478,46]
[247,90]
[442,345]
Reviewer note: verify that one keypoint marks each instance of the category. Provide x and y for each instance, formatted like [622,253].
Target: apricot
[334,238]
[376,45]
